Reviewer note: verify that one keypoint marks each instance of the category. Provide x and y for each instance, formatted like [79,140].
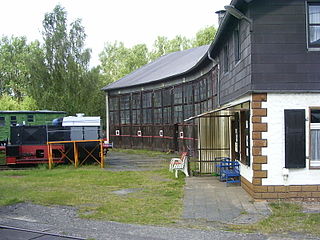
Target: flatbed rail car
[28,144]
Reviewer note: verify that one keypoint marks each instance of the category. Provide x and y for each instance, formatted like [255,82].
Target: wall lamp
[239,15]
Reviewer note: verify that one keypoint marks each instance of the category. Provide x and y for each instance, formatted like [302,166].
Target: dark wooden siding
[280,59]
[162,110]
[237,80]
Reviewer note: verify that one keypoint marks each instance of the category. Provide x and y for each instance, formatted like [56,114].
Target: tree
[14,74]
[60,75]
[204,36]
[118,61]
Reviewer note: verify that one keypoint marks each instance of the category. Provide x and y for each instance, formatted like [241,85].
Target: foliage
[204,36]
[60,76]
[118,60]
[14,74]
[9,103]
[90,189]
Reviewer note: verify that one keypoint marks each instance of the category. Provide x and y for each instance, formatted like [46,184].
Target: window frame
[312,128]
[2,121]
[226,58]
[311,47]
[30,118]
[237,44]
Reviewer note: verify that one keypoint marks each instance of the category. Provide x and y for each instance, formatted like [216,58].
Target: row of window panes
[13,120]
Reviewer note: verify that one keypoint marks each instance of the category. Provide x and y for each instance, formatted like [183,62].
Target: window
[136,101]
[113,103]
[13,120]
[314,24]
[225,58]
[157,115]
[125,102]
[2,121]
[315,138]
[178,117]
[125,117]
[236,40]
[167,115]
[178,95]
[30,118]
[157,99]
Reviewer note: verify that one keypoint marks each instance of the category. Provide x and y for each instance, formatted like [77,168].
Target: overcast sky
[129,21]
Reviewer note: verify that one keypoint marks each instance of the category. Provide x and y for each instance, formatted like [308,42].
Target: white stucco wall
[275,150]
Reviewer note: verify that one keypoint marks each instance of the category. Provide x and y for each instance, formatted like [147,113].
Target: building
[252,95]
[28,118]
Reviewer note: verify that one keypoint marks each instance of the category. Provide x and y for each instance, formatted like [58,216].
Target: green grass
[286,218]
[90,190]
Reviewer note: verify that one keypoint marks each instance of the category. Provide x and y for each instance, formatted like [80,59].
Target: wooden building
[252,95]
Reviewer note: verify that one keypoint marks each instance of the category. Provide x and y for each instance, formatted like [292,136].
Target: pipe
[218,76]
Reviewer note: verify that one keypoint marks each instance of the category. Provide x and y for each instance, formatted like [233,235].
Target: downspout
[107,119]
[218,77]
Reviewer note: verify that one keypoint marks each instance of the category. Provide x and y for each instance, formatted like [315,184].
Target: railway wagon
[28,118]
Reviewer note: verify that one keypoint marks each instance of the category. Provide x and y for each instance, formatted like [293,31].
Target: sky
[128,21]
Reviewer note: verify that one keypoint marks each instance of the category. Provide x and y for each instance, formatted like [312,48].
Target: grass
[286,218]
[90,190]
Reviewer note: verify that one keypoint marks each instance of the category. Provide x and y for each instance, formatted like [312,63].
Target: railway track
[6,167]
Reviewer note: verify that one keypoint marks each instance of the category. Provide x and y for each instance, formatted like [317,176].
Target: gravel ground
[64,220]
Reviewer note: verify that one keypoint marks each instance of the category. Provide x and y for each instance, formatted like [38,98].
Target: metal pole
[76,157]
[50,161]
[101,154]
[107,118]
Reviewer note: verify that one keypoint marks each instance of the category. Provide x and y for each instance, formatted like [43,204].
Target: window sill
[313,49]
[314,168]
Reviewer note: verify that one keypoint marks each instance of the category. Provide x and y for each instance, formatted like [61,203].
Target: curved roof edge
[168,66]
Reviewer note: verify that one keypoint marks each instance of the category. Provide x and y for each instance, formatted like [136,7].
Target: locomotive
[30,144]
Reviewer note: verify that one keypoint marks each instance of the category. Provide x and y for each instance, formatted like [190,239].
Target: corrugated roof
[170,65]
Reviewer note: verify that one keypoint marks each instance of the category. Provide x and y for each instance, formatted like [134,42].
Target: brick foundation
[292,193]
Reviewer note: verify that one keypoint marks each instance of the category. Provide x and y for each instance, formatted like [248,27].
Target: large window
[2,121]
[147,107]
[226,58]
[13,120]
[313,24]
[315,138]
[236,42]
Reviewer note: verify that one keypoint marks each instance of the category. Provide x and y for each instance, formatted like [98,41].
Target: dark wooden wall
[162,110]
[237,80]
[280,59]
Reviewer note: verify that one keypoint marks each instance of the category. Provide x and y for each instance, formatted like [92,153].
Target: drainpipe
[107,118]
[218,77]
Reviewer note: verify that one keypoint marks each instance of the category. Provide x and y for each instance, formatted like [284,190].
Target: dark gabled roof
[168,66]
